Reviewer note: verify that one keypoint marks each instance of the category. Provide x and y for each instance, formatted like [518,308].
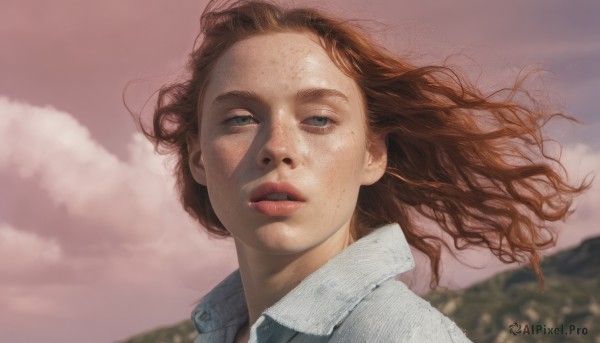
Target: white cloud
[581,161]
[26,251]
[132,200]
[143,240]
[130,207]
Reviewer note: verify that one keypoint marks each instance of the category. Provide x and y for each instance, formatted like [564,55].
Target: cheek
[356,152]
[345,157]
[220,162]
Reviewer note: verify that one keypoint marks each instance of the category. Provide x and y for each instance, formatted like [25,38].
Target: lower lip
[277,208]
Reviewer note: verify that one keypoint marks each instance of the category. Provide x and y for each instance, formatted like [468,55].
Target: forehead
[277,65]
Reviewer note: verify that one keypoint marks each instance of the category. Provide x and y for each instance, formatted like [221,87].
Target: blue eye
[321,120]
[241,120]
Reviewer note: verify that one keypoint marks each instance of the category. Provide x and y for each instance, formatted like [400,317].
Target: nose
[279,147]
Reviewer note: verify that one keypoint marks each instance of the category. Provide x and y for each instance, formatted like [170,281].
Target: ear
[376,161]
[196,162]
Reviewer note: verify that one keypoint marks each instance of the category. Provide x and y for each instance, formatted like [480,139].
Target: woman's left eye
[240,120]
[321,121]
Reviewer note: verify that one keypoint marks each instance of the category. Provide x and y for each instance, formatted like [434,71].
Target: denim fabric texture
[354,297]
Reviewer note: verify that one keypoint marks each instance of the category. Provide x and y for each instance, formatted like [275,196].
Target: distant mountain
[487,311]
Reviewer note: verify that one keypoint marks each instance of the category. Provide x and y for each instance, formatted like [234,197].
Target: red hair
[473,163]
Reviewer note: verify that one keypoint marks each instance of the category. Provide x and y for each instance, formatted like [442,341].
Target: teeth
[277,196]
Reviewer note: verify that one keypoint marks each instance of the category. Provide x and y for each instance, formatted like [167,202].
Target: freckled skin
[328,168]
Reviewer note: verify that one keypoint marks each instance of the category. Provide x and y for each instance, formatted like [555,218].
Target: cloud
[26,252]
[133,201]
[581,162]
[123,237]
[130,204]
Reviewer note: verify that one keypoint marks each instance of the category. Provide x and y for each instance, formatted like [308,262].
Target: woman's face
[274,127]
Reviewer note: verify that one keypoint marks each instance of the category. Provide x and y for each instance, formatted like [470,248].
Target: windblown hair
[473,163]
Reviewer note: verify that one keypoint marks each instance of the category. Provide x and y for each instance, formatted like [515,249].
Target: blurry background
[93,244]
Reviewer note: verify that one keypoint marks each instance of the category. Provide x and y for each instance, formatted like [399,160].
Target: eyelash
[319,128]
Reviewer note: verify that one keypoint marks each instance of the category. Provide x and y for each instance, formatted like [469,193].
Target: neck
[268,277]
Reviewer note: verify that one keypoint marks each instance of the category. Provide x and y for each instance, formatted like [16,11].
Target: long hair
[473,163]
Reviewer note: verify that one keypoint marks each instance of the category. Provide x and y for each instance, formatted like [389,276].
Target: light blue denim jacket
[354,297]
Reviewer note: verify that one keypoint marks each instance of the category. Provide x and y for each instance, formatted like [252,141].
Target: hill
[571,297]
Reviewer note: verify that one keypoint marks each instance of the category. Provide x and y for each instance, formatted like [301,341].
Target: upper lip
[276,187]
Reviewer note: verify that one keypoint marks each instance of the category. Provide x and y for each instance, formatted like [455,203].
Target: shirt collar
[324,298]
[224,306]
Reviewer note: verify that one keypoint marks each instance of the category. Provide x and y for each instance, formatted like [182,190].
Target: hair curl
[473,163]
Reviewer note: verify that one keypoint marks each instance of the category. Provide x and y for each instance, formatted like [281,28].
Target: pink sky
[93,244]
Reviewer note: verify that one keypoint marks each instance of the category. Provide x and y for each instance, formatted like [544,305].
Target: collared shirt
[354,297]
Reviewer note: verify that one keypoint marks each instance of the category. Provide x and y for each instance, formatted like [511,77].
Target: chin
[280,239]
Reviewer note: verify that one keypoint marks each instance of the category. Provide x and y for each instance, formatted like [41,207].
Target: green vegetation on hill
[571,297]
[181,333]
[486,310]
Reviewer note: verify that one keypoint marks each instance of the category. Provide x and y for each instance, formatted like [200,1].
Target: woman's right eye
[240,120]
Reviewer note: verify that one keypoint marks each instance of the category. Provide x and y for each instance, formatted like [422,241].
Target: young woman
[316,150]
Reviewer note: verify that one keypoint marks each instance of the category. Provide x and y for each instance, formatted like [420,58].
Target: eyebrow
[303,95]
